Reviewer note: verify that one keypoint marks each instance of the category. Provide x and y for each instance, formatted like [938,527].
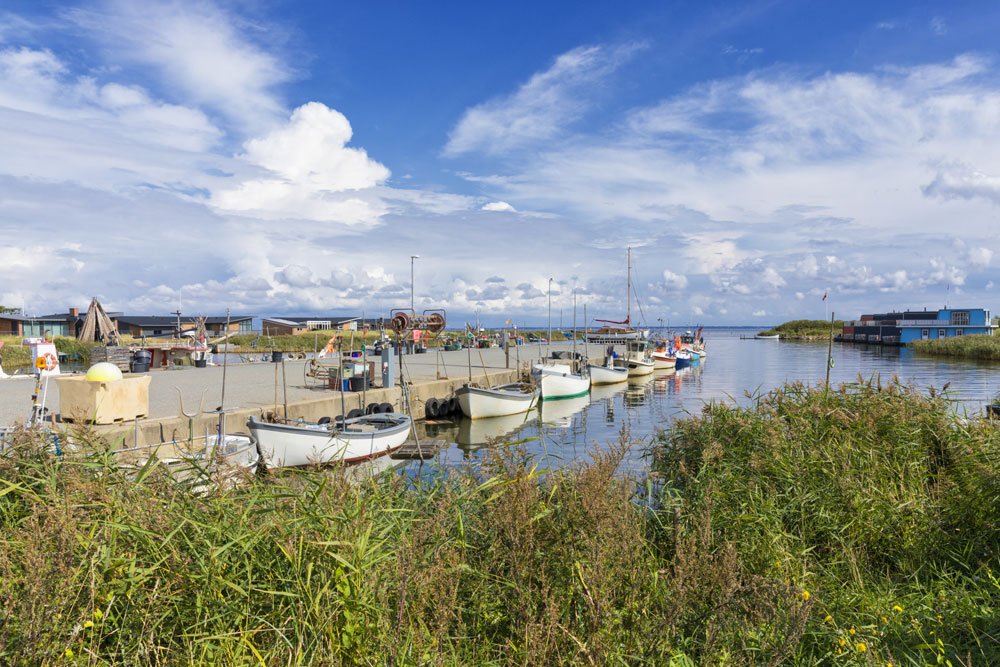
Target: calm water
[566,431]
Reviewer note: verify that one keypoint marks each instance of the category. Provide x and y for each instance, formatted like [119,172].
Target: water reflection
[662,380]
[474,433]
[559,413]
[638,389]
[602,401]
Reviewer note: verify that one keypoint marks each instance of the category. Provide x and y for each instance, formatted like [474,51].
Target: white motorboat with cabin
[638,359]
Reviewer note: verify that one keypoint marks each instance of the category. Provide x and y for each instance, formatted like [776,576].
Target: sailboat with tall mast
[624,332]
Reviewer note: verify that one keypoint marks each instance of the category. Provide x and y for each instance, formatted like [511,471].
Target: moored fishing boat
[607,374]
[499,401]
[638,359]
[682,359]
[357,439]
[557,381]
[200,463]
[663,355]
[610,372]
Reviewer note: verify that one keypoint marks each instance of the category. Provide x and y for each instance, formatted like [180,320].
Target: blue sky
[289,157]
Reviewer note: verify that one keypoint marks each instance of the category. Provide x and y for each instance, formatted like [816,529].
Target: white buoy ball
[104,372]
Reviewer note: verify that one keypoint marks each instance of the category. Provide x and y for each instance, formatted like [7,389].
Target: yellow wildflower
[861,647]
[842,641]
[98,614]
[896,608]
[88,624]
[885,620]
[851,631]
[68,653]
[828,619]
[805,596]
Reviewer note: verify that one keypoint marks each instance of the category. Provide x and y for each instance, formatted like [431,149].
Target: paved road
[253,385]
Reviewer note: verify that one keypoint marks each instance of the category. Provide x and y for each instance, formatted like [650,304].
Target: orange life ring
[329,349]
[50,361]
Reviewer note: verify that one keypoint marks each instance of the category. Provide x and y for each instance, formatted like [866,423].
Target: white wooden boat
[607,374]
[663,360]
[499,401]
[201,463]
[294,445]
[771,337]
[559,381]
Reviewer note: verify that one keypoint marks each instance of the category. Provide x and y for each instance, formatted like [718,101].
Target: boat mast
[628,285]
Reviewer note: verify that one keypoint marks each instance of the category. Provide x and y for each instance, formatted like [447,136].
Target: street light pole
[412,257]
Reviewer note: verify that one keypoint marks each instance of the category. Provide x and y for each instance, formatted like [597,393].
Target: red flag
[824,296]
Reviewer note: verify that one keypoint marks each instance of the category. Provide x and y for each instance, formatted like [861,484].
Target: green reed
[764,535]
[977,346]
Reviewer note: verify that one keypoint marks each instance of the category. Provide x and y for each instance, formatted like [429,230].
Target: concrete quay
[256,389]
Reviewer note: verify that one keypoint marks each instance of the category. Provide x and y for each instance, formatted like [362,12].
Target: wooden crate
[119,356]
[122,400]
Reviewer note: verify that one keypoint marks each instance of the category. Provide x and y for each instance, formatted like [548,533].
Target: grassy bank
[967,347]
[874,501]
[856,527]
[805,329]
[16,355]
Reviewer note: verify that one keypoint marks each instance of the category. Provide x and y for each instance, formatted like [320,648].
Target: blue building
[950,322]
[900,328]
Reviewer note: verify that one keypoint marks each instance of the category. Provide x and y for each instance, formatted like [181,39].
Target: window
[318,324]
[958,332]
[925,333]
[942,333]
[960,318]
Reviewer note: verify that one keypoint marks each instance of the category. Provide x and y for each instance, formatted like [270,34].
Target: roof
[290,320]
[171,320]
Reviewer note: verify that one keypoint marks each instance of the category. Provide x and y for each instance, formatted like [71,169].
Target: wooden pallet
[117,420]
[428,448]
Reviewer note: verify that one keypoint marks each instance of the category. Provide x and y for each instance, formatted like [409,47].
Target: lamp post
[412,257]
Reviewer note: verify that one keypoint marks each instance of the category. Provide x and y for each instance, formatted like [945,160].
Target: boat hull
[639,367]
[291,446]
[480,403]
[662,361]
[557,381]
[604,375]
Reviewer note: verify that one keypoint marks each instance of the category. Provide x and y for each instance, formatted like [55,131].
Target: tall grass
[766,535]
[874,500]
[977,346]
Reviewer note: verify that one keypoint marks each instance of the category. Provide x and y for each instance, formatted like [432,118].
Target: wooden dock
[425,450]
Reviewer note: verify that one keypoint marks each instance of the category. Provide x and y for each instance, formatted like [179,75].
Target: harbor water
[563,432]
